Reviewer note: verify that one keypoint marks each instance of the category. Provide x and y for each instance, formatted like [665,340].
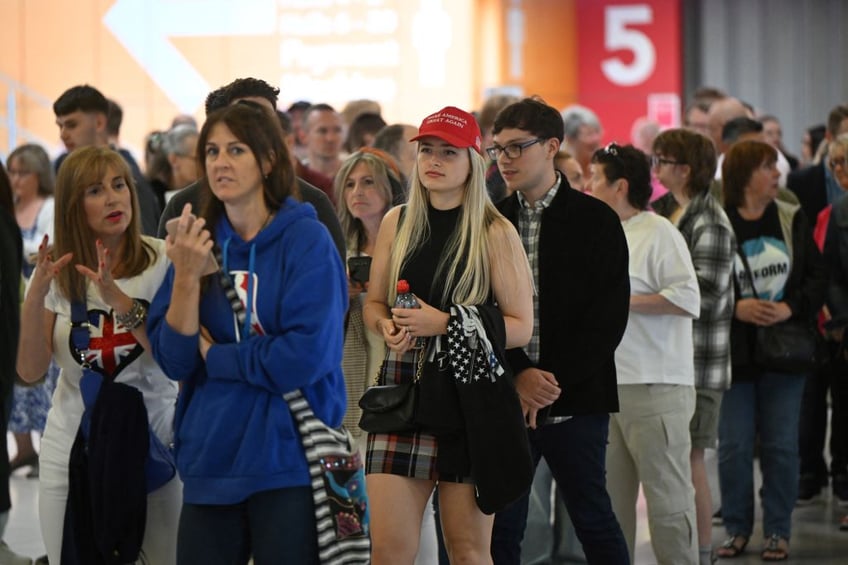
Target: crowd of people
[591,319]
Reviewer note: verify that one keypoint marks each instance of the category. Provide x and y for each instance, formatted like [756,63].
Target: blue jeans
[575,451]
[770,405]
[275,526]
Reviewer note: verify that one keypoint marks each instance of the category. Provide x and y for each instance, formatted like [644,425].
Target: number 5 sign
[629,53]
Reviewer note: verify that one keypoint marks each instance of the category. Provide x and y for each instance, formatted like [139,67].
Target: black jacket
[11,258]
[308,193]
[584,300]
[107,492]
[808,184]
[804,291]
[489,441]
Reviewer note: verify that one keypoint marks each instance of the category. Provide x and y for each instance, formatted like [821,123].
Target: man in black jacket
[816,187]
[260,92]
[565,376]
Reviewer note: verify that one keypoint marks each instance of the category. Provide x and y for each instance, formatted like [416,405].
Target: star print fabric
[471,354]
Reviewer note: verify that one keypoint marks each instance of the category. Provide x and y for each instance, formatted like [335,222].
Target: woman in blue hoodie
[247,488]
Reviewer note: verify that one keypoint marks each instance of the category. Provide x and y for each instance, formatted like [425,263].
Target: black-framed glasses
[836,161]
[512,150]
[656,161]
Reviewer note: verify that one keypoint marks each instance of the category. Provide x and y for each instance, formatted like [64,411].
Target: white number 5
[618,36]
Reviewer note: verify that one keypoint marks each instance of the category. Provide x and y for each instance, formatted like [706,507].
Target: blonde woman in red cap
[466,266]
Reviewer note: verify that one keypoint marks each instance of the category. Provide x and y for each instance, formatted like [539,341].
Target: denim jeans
[770,405]
[575,450]
[275,526]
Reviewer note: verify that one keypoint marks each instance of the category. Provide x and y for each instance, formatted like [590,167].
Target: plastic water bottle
[405,299]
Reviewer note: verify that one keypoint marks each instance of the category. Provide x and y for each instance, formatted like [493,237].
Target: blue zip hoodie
[234,433]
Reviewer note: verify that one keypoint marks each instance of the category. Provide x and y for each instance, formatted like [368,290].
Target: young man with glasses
[566,375]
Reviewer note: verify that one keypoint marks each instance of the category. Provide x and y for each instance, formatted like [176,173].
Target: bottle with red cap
[405,299]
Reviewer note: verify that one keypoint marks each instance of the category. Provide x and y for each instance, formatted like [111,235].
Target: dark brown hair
[259,129]
[740,162]
[689,148]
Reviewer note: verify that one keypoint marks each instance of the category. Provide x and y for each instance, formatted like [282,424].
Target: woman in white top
[116,271]
[32,178]
[649,436]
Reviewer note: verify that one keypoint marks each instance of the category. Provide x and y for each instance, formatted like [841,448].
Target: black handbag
[791,346]
[392,408]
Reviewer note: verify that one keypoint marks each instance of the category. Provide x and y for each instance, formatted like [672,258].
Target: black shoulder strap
[747,269]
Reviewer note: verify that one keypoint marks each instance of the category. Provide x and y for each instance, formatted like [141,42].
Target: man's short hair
[248,87]
[114,118]
[299,106]
[84,98]
[835,118]
[285,122]
[737,127]
[389,139]
[320,107]
[533,115]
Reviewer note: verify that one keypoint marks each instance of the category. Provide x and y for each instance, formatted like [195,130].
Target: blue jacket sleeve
[177,354]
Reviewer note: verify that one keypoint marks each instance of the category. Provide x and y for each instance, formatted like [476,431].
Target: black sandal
[777,546]
[731,548]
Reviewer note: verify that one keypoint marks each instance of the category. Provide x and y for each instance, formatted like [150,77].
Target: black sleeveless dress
[414,454]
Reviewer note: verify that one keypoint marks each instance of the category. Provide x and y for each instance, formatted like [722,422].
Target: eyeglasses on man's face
[836,162]
[512,150]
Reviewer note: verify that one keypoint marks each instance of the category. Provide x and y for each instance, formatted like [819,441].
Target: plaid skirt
[412,455]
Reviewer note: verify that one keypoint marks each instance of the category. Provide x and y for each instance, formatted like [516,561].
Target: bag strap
[747,269]
[241,314]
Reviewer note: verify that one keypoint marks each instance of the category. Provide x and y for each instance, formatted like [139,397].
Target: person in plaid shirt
[685,162]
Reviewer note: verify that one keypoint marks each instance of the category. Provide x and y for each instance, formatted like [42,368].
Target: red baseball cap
[455,126]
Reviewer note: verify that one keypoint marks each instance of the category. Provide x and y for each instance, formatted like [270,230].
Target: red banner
[629,61]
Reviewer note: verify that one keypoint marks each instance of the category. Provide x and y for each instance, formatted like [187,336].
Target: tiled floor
[816,538]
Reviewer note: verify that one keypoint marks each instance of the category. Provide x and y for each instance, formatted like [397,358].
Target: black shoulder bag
[791,346]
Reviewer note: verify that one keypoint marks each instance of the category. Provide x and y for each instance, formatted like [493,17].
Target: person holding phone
[247,484]
[366,186]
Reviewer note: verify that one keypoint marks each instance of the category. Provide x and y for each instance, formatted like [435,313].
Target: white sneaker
[9,557]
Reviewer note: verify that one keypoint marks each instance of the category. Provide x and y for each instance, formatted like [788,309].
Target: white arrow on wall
[144,27]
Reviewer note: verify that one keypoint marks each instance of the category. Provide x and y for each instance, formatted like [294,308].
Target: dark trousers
[275,526]
[575,451]
[813,424]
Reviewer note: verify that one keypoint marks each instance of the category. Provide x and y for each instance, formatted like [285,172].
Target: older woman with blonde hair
[366,187]
[33,181]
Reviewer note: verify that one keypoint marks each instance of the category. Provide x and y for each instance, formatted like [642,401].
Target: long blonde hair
[465,261]
[82,168]
[352,228]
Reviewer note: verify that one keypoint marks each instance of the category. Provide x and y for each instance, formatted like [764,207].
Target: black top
[766,225]
[11,259]
[421,265]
